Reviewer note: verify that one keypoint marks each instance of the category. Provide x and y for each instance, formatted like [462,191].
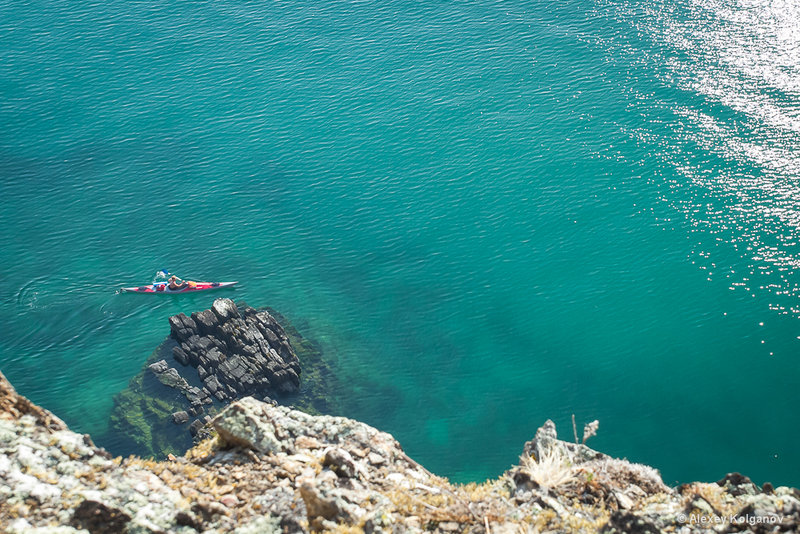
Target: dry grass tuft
[553,469]
[204,450]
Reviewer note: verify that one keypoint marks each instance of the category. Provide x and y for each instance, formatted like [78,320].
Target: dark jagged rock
[183,327]
[245,349]
[212,384]
[195,427]
[198,428]
[180,356]
[206,322]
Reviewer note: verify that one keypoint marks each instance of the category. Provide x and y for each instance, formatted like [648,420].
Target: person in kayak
[174,285]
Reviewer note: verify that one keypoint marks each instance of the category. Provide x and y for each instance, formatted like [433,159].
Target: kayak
[161,287]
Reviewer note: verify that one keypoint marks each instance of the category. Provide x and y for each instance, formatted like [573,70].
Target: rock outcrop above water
[271,469]
[210,359]
[237,352]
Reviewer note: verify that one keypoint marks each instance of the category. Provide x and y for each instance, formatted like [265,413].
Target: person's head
[172,278]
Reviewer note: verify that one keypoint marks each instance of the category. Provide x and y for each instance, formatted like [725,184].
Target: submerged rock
[180,417]
[210,359]
[171,378]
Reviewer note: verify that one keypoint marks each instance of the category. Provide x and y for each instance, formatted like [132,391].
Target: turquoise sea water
[487,213]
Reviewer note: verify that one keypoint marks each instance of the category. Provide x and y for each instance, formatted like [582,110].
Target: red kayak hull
[162,289]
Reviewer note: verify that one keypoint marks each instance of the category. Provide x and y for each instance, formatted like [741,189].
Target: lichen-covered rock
[341,462]
[269,429]
[240,427]
[51,476]
[271,469]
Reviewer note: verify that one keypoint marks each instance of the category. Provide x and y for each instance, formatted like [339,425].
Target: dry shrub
[552,469]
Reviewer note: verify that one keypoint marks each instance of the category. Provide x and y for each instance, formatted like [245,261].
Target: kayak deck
[162,288]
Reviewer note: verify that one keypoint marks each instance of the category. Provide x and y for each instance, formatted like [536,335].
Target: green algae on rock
[141,420]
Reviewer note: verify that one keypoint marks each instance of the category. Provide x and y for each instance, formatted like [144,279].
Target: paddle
[163,273]
[166,274]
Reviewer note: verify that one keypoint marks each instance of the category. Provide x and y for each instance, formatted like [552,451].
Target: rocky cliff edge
[273,469]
